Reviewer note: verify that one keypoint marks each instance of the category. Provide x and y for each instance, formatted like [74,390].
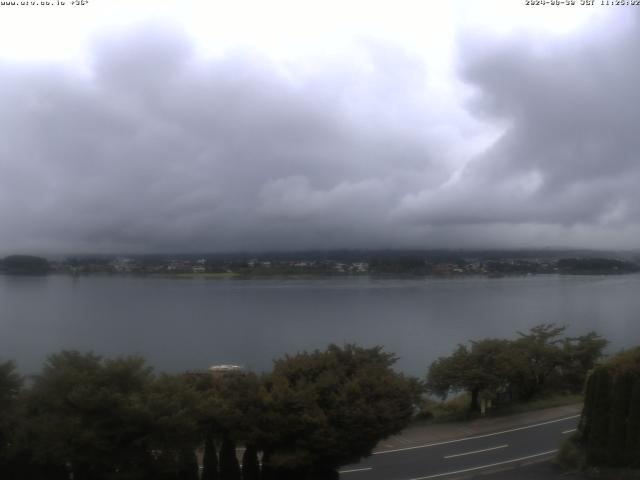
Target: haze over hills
[361,254]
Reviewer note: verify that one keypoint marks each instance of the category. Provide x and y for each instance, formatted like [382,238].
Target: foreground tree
[581,355]
[92,418]
[235,404]
[484,368]
[173,417]
[327,409]
[609,430]
[250,464]
[187,465]
[209,459]
[84,412]
[232,408]
[102,418]
[10,386]
[540,360]
[541,350]
[229,466]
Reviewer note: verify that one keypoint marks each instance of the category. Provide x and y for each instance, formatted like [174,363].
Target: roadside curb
[416,435]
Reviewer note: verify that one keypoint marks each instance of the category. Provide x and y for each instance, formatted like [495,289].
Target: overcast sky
[138,126]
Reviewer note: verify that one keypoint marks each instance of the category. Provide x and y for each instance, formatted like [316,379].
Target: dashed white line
[569,431]
[455,455]
[476,436]
[356,470]
[437,475]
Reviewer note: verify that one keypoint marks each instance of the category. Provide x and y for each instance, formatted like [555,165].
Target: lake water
[180,324]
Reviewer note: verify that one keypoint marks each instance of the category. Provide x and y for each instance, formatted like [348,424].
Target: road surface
[467,455]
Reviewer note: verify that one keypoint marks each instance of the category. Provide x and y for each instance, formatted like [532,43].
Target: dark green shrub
[229,466]
[571,456]
[610,423]
[250,465]
[209,460]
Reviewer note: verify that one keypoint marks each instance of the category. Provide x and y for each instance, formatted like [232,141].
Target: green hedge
[610,424]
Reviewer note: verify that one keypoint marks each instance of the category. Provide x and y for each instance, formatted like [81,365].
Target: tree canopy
[25,264]
[485,366]
[537,361]
[113,419]
[104,418]
[326,409]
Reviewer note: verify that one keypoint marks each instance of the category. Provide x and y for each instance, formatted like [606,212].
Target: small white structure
[219,371]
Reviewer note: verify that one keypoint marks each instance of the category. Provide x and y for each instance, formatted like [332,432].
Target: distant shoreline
[236,275]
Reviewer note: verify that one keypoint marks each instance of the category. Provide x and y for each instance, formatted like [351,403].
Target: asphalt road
[462,457]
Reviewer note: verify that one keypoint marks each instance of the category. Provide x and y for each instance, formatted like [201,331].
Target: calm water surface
[180,324]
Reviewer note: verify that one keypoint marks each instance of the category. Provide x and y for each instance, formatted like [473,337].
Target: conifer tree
[632,444]
[229,467]
[266,471]
[250,465]
[621,394]
[586,419]
[10,386]
[599,433]
[210,459]
[610,423]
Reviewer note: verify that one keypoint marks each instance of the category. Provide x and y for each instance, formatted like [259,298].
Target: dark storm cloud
[570,152]
[152,148]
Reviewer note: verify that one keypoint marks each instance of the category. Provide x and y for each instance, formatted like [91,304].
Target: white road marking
[476,436]
[402,440]
[485,466]
[356,470]
[569,431]
[476,451]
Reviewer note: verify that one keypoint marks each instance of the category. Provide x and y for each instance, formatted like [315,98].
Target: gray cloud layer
[571,148]
[152,149]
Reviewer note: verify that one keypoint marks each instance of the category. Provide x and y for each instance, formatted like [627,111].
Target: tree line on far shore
[390,264]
